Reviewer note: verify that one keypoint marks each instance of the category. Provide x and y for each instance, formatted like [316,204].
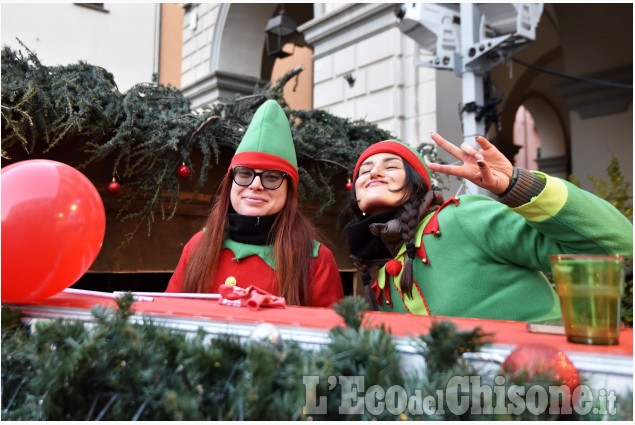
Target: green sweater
[488,260]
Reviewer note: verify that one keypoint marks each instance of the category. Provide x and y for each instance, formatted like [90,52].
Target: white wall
[199,26]
[123,40]
[389,90]
[595,140]
[375,96]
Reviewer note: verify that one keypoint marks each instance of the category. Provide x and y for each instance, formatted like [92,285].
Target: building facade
[132,41]
[576,86]
[565,99]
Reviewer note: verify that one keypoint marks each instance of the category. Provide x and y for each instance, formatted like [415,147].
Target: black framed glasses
[270,179]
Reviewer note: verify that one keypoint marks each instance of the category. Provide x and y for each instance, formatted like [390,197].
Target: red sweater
[325,287]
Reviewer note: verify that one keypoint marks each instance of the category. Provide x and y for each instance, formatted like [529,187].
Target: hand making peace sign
[486,167]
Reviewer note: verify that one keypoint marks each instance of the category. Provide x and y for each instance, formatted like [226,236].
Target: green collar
[418,235]
[243,250]
[265,252]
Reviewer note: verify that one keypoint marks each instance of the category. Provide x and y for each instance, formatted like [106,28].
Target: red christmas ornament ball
[530,360]
[114,187]
[183,171]
[348,185]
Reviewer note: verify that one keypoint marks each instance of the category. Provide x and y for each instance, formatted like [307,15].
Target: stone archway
[238,38]
[236,41]
[571,84]
[525,86]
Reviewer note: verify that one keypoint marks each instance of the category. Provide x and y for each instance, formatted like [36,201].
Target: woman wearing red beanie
[255,235]
[472,256]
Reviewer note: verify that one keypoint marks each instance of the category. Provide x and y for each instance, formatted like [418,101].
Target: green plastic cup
[590,291]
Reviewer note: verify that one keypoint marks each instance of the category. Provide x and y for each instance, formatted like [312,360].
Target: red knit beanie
[407,153]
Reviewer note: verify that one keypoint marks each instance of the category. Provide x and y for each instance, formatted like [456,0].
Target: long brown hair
[291,235]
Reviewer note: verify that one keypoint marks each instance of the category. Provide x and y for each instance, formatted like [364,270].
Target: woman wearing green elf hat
[472,256]
[255,234]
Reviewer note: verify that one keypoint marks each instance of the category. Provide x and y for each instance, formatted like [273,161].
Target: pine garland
[146,133]
[118,370]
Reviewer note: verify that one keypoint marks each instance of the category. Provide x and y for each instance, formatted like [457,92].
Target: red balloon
[53,226]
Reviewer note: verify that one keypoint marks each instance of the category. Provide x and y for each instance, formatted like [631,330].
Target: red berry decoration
[114,187]
[183,171]
[348,185]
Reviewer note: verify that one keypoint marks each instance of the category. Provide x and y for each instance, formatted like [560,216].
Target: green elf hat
[401,149]
[267,143]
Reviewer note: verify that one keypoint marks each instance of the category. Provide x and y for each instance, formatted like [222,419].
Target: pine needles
[115,368]
[142,136]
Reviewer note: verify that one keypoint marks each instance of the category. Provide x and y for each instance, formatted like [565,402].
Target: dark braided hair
[368,292]
[413,211]
[364,266]
[409,218]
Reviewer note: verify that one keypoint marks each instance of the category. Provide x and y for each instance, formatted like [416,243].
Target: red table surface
[402,325]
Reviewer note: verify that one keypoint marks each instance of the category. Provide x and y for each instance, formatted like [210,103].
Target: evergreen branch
[328,161]
[285,78]
[144,133]
[14,128]
[200,127]
[126,370]
[352,310]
